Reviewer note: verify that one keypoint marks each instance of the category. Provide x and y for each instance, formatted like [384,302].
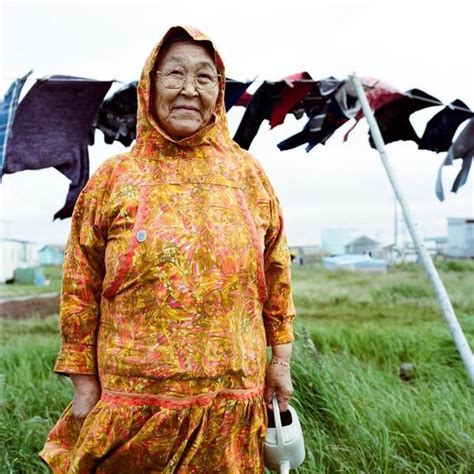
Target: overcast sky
[423,44]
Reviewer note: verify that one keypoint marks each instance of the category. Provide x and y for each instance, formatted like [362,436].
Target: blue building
[51,255]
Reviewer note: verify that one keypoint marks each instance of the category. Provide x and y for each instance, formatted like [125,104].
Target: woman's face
[183,112]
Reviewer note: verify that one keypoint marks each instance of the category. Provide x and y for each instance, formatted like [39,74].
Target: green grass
[353,332]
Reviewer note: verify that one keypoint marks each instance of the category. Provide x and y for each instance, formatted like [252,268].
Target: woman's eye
[175,73]
[204,77]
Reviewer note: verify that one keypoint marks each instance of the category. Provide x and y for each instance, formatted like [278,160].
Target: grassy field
[51,273]
[353,332]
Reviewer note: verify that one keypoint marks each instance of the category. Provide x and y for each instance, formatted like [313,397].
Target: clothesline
[66,79]
[412,96]
[290,82]
[56,112]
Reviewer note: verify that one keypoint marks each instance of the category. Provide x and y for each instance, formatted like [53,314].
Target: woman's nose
[189,86]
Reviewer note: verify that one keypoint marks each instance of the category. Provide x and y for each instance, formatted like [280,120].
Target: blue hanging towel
[8,108]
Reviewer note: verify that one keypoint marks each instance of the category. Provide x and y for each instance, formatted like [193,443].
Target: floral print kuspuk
[176,278]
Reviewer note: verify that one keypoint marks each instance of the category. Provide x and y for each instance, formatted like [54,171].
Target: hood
[152,140]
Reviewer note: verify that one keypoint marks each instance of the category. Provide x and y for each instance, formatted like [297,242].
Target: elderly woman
[176,278]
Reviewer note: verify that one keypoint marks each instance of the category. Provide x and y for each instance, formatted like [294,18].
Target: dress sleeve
[278,309]
[83,273]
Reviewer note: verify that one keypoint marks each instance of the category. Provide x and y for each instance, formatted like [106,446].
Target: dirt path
[22,307]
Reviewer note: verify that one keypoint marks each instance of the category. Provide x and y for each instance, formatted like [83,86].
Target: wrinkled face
[184,111]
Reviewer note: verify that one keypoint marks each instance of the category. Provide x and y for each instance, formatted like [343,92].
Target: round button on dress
[141,235]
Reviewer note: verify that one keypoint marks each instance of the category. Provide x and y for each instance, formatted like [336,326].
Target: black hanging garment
[233,92]
[393,118]
[326,119]
[117,116]
[258,109]
[441,128]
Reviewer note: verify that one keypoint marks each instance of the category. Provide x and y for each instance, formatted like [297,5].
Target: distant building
[16,254]
[363,246]
[460,237]
[51,255]
[334,240]
[436,245]
[301,254]
[361,263]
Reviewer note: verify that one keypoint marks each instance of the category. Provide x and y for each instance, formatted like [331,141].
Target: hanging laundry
[117,116]
[258,109]
[263,104]
[393,118]
[321,126]
[441,128]
[290,97]
[316,98]
[51,129]
[463,148]
[234,91]
[77,171]
[313,126]
[347,99]
[7,113]
[378,94]
[244,99]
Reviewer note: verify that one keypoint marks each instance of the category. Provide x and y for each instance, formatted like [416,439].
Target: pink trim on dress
[174,403]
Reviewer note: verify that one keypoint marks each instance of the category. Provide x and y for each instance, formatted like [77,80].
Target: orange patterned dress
[176,277]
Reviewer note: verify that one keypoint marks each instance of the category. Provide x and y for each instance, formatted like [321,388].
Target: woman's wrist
[278,361]
[281,355]
[85,382]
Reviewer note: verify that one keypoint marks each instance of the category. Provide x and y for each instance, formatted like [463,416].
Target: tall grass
[353,332]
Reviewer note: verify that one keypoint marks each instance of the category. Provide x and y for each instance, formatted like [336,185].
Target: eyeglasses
[176,79]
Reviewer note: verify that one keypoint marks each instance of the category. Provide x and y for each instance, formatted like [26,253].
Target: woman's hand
[278,381]
[86,394]
[278,377]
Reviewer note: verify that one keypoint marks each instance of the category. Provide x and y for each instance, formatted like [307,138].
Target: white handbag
[284,443]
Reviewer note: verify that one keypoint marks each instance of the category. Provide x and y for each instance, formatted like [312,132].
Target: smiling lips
[187,107]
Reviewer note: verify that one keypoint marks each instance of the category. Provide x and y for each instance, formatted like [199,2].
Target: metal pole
[441,293]
[395,223]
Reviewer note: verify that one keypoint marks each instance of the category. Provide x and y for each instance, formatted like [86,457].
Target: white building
[363,246]
[16,254]
[334,240]
[460,237]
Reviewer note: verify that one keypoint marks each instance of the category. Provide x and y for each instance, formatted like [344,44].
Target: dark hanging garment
[117,117]
[326,120]
[462,148]
[378,94]
[77,170]
[244,99]
[393,118]
[441,128]
[233,92]
[51,129]
[271,98]
[311,129]
[258,109]
[291,96]
[315,100]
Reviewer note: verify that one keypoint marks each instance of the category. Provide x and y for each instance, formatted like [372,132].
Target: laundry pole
[441,293]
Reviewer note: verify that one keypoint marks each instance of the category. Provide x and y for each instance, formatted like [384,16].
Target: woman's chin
[184,129]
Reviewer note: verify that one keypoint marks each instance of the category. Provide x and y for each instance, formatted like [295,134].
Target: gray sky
[423,44]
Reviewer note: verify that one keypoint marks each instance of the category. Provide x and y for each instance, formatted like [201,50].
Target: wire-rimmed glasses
[204,80]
